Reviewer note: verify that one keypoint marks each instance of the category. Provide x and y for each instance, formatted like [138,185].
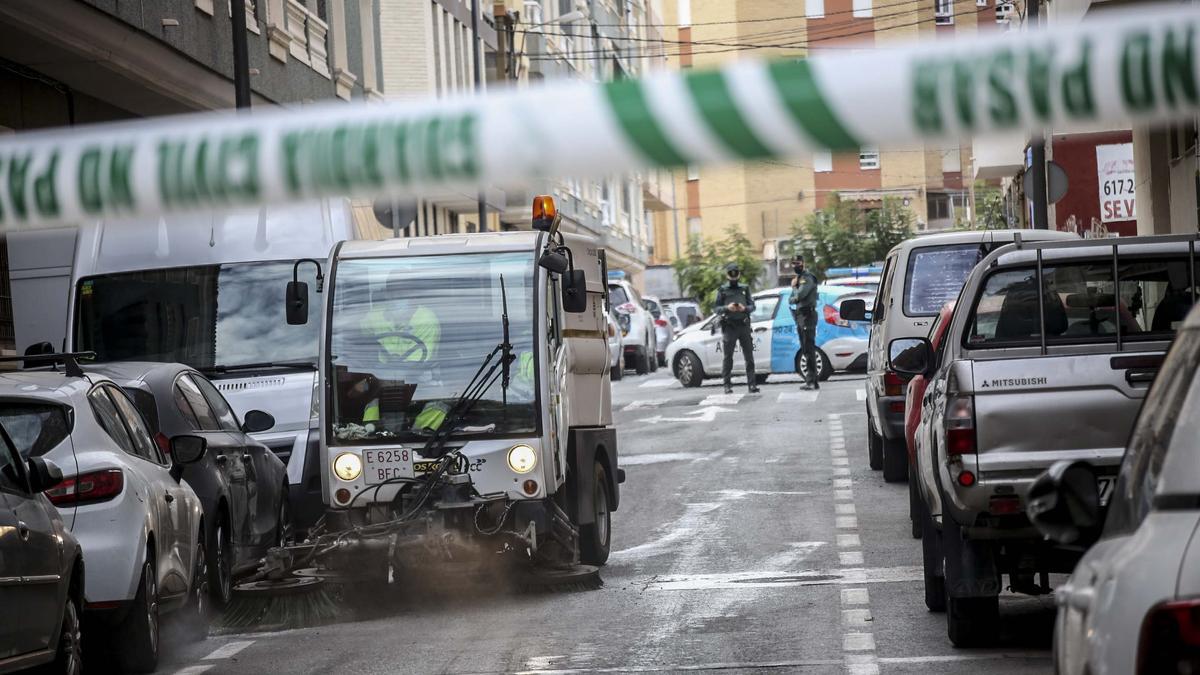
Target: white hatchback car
[616,349]
[639,339]
[137,523]
[1132,605]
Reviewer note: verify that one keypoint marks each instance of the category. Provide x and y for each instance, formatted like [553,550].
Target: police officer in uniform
[733,308]
[803,304]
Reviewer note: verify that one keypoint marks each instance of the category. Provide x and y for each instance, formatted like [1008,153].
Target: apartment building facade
[764,200]
[68,62]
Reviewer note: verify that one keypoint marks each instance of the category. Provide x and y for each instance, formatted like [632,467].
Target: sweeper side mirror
[296,298]
[574,292]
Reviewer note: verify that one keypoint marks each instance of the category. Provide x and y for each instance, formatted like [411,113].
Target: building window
[951,161]
[694,229]
[693,172]
[822,161]
[981,3]
[943,12]
[940,207]
[868,158]
[862,8]
[814,9]
[1005,11]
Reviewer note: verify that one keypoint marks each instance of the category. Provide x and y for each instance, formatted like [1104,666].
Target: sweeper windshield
[407,334]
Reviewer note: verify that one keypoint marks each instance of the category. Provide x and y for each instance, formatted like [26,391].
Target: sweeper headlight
[347,466]
[522,458]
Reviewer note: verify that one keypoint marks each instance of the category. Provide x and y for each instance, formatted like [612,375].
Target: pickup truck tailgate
[1031,412]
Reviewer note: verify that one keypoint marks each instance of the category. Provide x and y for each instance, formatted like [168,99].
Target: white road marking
[193,670]
[740,494]
[228,650]
[952,658]
[653,403]
[858,642]
[857,618]
[844,509]
[848,541]
[860,394]
[733,581]
[843,495]
[842,482]
[723,399]
[850,558]
[694,517]
[837,470]
[658,383]
[846,522]
[693,667]
[798,396]
[841,461]
[855,596]
[704,414]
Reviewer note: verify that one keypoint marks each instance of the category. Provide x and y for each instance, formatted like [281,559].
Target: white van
[919,276]
[207,290]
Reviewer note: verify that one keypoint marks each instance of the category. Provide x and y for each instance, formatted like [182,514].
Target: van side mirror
[554,262]
[1064,503]
[909,357]
[854,309]
[574,291]
[297,303]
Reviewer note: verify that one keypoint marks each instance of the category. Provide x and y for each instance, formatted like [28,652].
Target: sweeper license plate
[384,464]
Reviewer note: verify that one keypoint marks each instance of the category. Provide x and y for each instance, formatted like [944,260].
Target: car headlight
[522,458]
[347,466]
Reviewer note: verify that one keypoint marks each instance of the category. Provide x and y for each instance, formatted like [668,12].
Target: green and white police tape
[1122,67]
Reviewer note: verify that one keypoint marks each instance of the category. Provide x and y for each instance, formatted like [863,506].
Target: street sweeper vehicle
[466,410]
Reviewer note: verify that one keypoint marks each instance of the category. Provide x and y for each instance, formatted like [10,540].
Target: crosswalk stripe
[799,396]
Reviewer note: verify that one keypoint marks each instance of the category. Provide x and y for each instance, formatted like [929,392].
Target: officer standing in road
[803,304]
[733,308]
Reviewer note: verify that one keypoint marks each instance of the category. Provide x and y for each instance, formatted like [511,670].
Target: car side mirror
[1064,503]
[554,262]
[853,309]
[43,474]
[909,357]
[187,449]
[256,421]
[297,303]
[574,292]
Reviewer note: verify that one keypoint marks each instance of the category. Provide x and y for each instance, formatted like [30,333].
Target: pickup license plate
[1106,485]
[386,463]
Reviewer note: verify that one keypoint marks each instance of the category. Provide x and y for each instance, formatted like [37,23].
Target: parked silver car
[138,523]
[1048,357]
[1132,603]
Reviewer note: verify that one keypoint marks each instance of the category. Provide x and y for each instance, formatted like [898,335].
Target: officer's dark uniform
[803,304]
[735,328]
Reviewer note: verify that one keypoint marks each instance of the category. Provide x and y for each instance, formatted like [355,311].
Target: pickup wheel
[689,370]
[895,461]
[972,622]
[874,448]
[595,539]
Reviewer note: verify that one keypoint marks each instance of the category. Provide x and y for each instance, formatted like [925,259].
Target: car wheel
[914,504]
[641,363]
[198,609]
[618,371]
[138,633]
[931,559]
[874,448]
[652,361]
[895,461]
[595,539]
[68,654]
[220,564]
[662,359]
[689,370]
[824,369]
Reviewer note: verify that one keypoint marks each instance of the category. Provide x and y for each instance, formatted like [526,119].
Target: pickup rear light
[1170,639]
[960,425]
[834,317]
[88,488]
[892,384]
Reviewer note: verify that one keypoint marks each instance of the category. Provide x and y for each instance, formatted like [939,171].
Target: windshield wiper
[262,365]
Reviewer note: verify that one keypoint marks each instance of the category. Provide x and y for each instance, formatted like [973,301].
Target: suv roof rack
[70,361]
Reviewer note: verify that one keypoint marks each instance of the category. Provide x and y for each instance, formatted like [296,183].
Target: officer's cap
[733,267]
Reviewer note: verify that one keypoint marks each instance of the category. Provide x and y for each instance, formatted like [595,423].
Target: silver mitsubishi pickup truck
[1048,357]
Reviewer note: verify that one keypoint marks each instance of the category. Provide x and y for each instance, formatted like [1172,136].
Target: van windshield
[936,275]
[208,316]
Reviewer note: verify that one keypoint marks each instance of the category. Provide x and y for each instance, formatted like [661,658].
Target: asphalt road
[751,537]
